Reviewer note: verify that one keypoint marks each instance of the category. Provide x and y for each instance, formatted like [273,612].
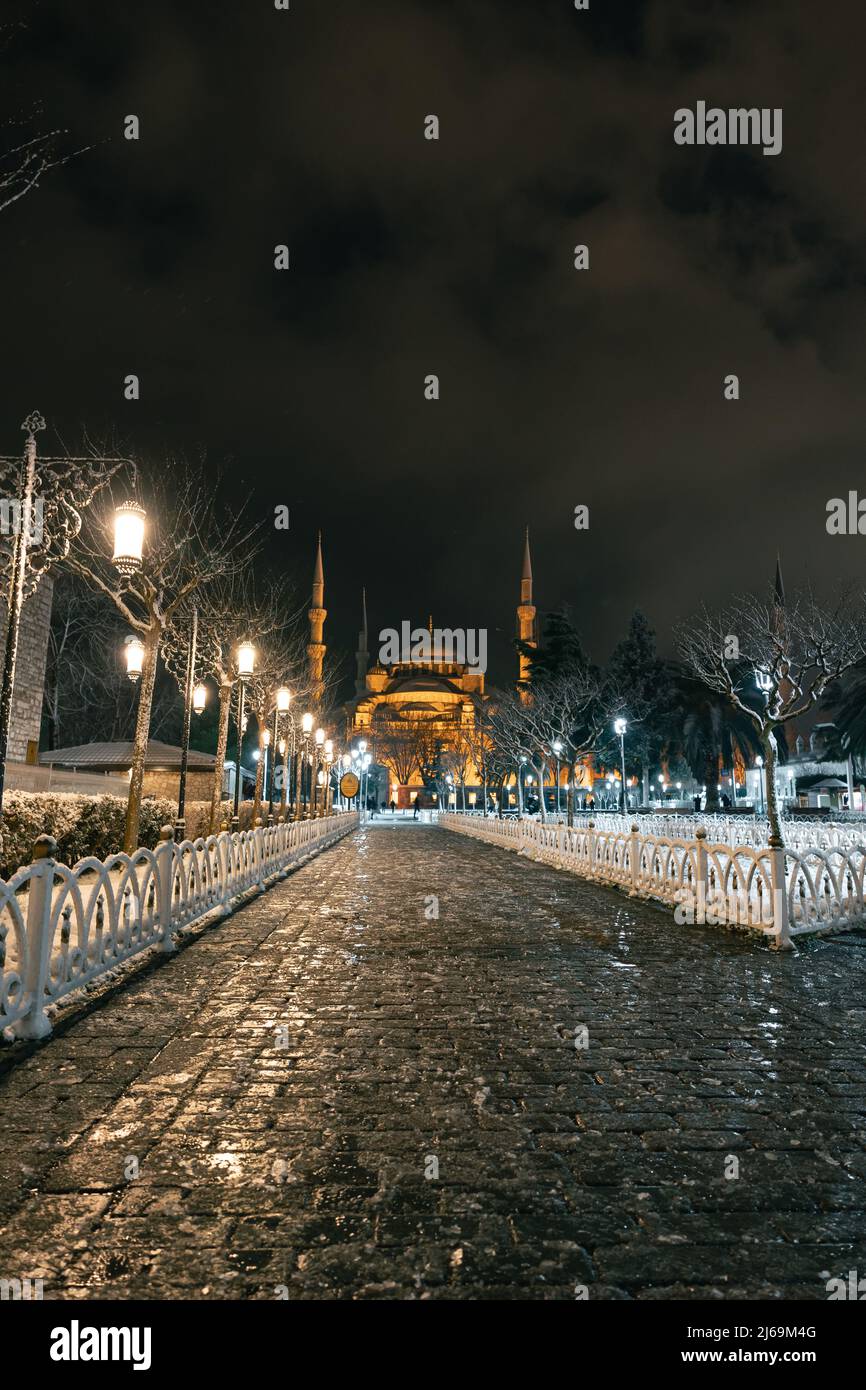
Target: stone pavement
[265,1113]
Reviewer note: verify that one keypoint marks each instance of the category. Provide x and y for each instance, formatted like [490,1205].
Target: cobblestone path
[412,1042]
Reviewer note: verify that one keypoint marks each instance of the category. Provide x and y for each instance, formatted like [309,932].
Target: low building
[161,767]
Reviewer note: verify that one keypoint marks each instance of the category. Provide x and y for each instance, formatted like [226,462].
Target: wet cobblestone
[265,1114]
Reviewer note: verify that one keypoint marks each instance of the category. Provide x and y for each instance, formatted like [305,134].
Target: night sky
[411,257]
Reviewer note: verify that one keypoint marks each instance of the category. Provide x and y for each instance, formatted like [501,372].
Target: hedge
[93,825]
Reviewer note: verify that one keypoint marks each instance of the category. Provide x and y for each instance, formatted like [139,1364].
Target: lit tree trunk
[541,800]
[711,777]
[139,747]
[484,781]
[770,747]
[222,748]
[569,794]
[646,786]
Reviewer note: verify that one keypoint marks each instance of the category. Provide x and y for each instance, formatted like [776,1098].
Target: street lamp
[329,762]
[619,727]
[245,661]
[282,700]
[134,648]
[129,520]
[320,742]
[557,748]
[301,789]
[190,703]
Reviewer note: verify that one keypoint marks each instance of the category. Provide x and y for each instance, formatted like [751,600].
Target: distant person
[393,807]
[415,809]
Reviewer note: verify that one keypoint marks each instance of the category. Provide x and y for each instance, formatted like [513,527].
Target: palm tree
[708,728]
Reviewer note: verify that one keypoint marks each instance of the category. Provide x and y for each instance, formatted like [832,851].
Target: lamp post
[365,765]
[188,704]
[619,727]
[362,766]
[282,700]
[303,753]
[557,748]
[329,759]
[320,743]
[246,662]
[268,765]
[33,423]
[346,760]
[129,520]
[45,497]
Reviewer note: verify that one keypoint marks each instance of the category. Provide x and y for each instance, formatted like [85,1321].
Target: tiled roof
[160,756]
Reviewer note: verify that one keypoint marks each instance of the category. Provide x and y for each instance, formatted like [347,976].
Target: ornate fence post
[701,877]
[590,849]
[261,868]
[36,1024]
[165,885]
[634,860]
[781,921]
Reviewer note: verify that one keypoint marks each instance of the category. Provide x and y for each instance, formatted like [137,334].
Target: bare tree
[457,759]
[774,659]
[570,708]
[233,609]
[46,498]
[488,761]
[88,695]
[189,544]
[403,746]
[27,154]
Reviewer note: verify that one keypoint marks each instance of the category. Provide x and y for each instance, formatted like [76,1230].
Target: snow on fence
[61,927]
[798,832]
[779,892]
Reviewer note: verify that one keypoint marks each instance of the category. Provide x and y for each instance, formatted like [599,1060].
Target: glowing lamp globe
[199,697]
[129,520]
[284,699]
[134,657]
[246,660]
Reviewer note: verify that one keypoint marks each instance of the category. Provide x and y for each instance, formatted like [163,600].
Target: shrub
[81,825]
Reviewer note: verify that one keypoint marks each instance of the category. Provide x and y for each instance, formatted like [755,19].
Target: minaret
[362,655]
[526,610]
[317,616]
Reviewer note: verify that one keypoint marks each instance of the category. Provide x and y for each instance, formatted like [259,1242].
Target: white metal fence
[61,927]
[779,892]
[798,832]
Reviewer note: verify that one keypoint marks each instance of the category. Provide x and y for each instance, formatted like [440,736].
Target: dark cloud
[411,257]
